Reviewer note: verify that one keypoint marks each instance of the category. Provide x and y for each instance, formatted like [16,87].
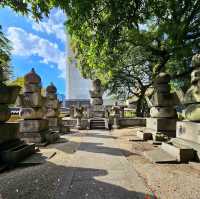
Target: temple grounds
[102,165]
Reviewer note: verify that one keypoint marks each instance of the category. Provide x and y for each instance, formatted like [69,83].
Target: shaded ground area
[90,165]
[100,165]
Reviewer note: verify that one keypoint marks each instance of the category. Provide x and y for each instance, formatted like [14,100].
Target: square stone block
[52,104]
[8,131]
[98,108]
[30,113]
[35,137]
[53,121]
[161,124]
[32,100]
[188,131]
[29,126]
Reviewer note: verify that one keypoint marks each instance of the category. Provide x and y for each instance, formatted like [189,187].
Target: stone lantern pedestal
[12,149]
[162,124]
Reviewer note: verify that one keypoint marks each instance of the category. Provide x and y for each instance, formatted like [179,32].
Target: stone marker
[162,123]
[52,106]
[116,110]
[186,146]
[12,149]
[33,128]
[97,110]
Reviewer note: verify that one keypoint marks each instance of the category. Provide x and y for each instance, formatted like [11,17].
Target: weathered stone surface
[54,121]
[52,104]
[164,99]
[17,153]
[30,113]
[163,78]
[4,113]
[163,112]
[36,137]
[29,126]
[32,88]
[98,108]
[159,156]
[161,124]
[192,112]
[181,153]
[32,78]
[51,95]
[33,100]
[126,122]
[188,131]
[8,94]
[8,131]
[96,101]
[52,113]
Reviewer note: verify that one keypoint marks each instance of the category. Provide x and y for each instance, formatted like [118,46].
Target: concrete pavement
[90,166]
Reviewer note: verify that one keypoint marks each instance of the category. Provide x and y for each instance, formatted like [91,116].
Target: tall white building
[77,88]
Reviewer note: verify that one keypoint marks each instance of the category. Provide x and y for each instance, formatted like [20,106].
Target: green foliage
[5,49]
[103,32]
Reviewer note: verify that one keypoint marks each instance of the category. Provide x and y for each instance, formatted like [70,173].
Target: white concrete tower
[77,88]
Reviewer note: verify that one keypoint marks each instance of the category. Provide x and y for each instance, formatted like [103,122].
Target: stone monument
[79,115]
[186,146]
[12,149]
[162,122]
[116,115]
[97,110]
[52,106]
[33,127]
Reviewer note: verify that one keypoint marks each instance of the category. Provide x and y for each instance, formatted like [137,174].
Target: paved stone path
[90,166]
[102,172]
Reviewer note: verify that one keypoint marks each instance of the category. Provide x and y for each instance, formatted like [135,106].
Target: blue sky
[39,45]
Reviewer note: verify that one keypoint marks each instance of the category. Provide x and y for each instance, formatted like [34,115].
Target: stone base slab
[8,131]
[144,136]
[188,131]
[17,153]
[36,137]
[182,153]
[33,125]
[161,124]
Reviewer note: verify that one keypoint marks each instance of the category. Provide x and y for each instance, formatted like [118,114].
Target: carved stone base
[33,125]
[161,124]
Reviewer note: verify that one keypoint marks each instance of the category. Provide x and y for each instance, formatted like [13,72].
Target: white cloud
[53,25]
[27,44]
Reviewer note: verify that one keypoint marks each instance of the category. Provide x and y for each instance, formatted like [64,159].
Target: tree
[4,54]
[102,30]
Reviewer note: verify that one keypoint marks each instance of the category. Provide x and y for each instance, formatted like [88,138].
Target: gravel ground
[167,181]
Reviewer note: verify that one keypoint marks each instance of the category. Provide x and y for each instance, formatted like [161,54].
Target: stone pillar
[52,108]
[33,127]
[97,108]
[78,115]
[12,149]
[116,110]
[162,123]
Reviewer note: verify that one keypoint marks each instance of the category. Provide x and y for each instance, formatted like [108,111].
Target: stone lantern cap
[196,61]
[51,88]
[32,78]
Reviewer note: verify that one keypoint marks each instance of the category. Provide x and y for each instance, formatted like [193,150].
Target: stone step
[160,156]
[182,153]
